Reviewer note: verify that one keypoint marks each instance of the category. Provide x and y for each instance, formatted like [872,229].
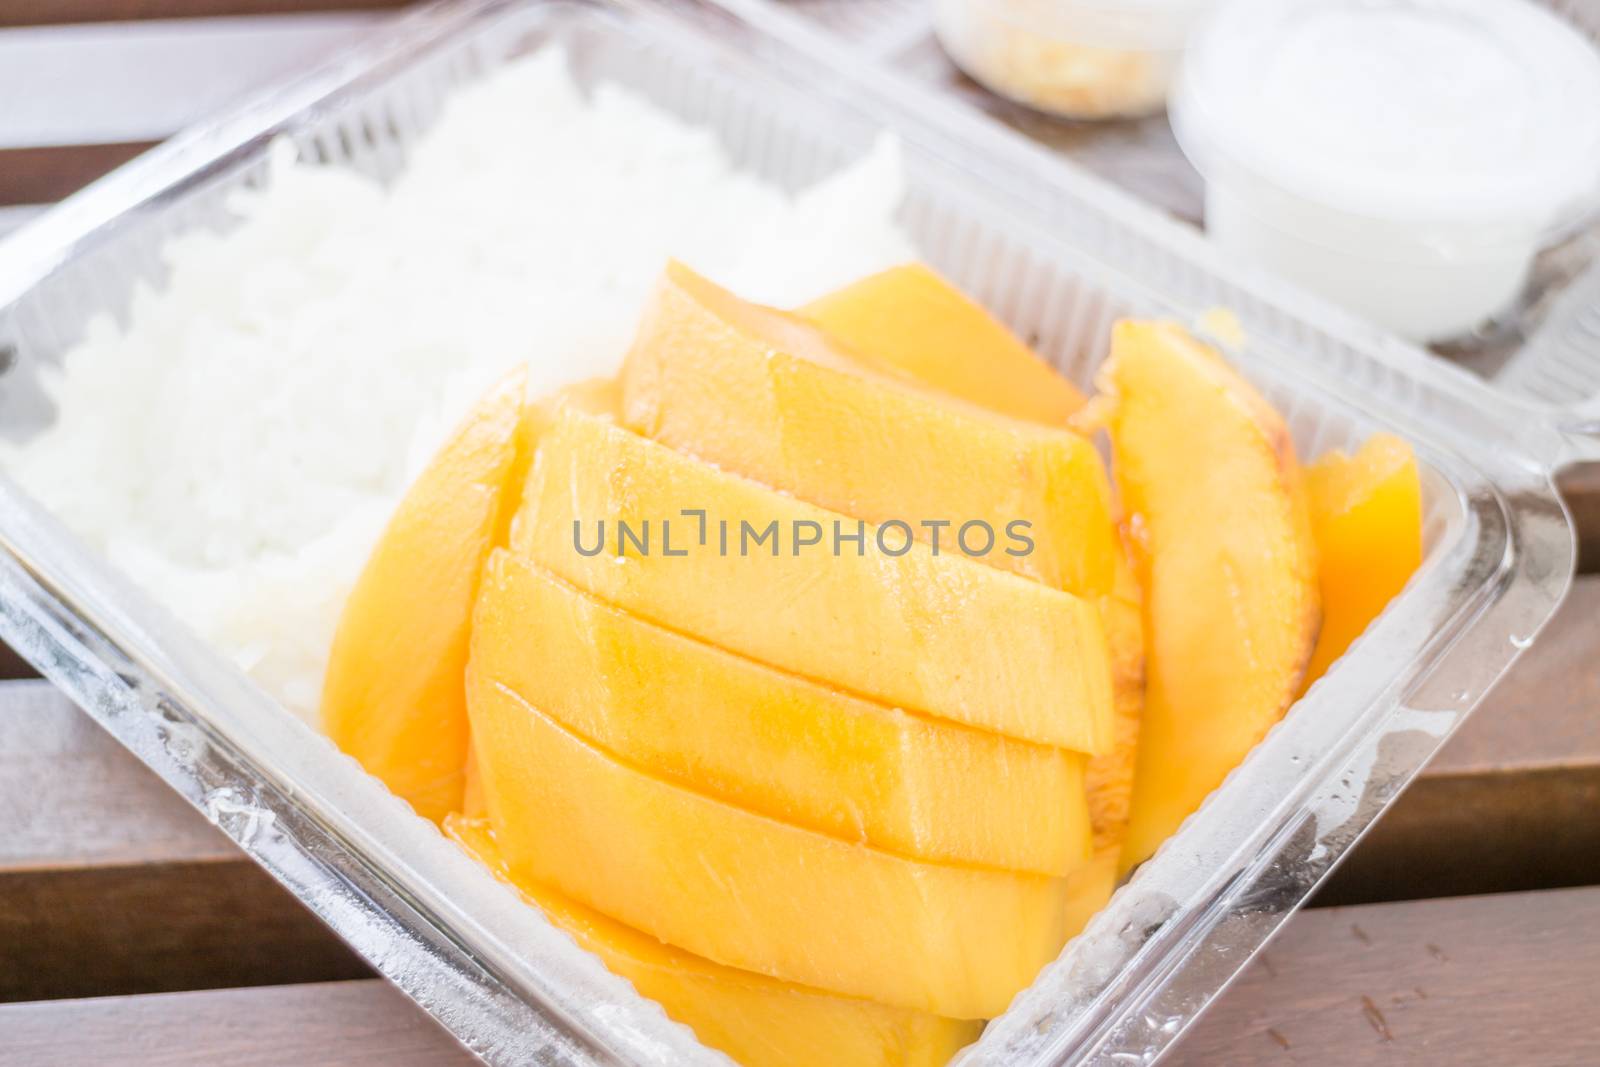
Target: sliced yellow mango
[774,742]
[1366,512]
[393,694]
[748,891]
[766,395]
[759,1021]
[910,318]
[1214,495]
[914,320]
[938,634]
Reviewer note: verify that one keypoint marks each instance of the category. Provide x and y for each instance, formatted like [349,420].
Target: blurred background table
[1464,930]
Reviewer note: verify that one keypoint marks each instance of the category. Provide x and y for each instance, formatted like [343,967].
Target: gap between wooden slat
[1482,981]
[42,175]
[158,927]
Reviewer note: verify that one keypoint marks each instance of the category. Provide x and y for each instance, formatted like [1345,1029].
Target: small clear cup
[1404,158]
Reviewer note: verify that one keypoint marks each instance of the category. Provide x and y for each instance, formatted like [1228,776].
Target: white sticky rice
[239,446]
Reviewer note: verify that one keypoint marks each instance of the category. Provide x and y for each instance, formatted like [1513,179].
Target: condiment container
[1404,158]
[1051,250]
[1084,60]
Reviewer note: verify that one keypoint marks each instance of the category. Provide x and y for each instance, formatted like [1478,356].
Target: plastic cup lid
[1485,111]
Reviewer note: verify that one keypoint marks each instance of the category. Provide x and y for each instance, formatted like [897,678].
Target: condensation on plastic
[1055,253]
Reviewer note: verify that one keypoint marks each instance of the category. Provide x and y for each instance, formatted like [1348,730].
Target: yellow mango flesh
[393,696]
[748,891]
[1090,887]
[1213,491]
[1109,775]
[912,319]
[773,742]
[764,394]
[942,635]
[759,1021]
[909,318]
[473,803]
[1366,513]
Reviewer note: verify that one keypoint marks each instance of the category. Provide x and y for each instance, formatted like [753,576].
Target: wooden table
[1464,930]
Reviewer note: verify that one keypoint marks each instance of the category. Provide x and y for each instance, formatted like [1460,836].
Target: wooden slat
[1474,982]
[1454,834]
[71,798]
[155,927]
[111,883]
[42,175]
[1580,487]
[1513,800]
[336,1024]
[1545,714]
[41,12]
[13,666]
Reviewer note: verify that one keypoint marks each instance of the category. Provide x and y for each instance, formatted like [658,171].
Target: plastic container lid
[1485,111]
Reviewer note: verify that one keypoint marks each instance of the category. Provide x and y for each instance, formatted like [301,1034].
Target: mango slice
[759,1021]
[766,395]
[393,693]
[774,742]
[1366,513]
[938,634]
[748,891]
[910,318]
[1209,478]
[914,320]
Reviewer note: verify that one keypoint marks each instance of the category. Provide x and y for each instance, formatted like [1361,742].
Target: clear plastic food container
[1404,159]
[1056,254]
[1096,59]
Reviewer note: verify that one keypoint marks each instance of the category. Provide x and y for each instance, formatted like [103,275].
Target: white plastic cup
[1094,59]
[1404,158]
